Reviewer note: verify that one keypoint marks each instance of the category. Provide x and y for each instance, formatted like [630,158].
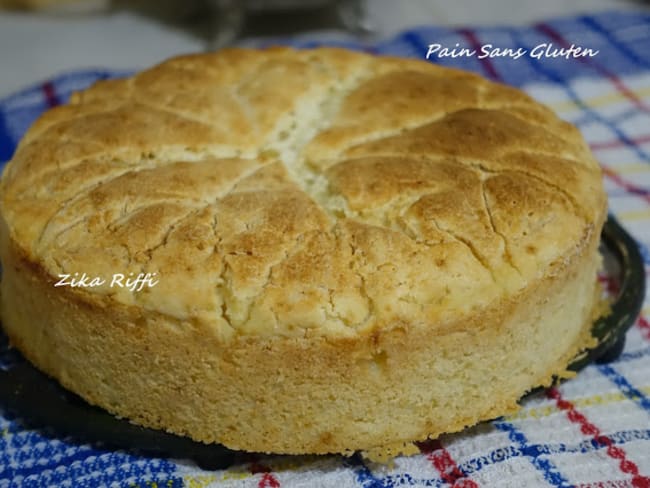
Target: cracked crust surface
[316,195]
[272,191]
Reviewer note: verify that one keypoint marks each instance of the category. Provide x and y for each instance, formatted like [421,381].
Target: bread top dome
[302,192]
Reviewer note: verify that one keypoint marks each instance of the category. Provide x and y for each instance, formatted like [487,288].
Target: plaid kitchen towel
[592,431]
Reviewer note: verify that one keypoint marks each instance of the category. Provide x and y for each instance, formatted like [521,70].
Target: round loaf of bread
[345,252]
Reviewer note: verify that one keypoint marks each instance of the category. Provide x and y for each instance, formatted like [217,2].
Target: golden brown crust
[294,203]
[223,172]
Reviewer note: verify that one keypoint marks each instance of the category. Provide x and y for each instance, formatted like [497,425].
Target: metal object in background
[232,19]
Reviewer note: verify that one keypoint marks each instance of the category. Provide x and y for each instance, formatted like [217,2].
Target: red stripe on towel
[476,45]
[587,428]
[268,480]
[596,146]
[50,94]
[616,81]
[643,324]
[445,464]
[626,185]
